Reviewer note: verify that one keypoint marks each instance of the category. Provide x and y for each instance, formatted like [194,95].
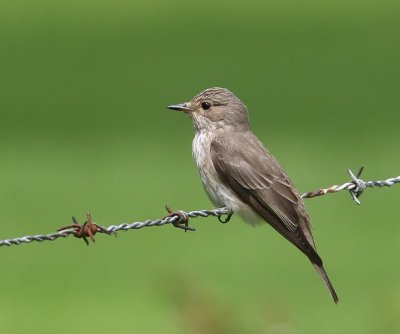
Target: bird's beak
[181,107]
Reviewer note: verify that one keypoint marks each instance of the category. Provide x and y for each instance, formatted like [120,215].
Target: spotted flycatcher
[238,172]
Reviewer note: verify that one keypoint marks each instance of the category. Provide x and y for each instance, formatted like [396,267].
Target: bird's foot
[227,219]
[85,230]
[183,219]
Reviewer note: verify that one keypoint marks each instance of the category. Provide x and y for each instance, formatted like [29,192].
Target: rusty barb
[183,219]
[180,219]
[85,230]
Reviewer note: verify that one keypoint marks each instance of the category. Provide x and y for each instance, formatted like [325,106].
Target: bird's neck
[204,125]
[219,131]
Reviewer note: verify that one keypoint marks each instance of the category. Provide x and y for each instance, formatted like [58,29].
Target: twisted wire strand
[351,186]
[113,228]
[356,187]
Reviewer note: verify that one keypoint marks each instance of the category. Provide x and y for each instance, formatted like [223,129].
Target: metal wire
[113,228]
[356,188]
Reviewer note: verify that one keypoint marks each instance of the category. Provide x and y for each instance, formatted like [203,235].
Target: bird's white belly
[218,193]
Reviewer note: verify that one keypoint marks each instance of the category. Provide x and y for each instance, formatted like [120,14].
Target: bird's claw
[227,219]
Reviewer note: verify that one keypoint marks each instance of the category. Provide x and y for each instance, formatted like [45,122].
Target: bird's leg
[227,219]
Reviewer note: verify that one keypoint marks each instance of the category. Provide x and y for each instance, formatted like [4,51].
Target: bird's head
[215,108]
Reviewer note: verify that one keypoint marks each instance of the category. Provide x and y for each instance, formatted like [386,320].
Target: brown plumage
[239,173]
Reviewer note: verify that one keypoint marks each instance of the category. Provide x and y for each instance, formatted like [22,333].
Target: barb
[356,188]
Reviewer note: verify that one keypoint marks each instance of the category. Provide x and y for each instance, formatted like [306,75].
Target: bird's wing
[258,180]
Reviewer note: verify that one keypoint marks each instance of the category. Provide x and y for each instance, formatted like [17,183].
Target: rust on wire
[183,219]
[85,230]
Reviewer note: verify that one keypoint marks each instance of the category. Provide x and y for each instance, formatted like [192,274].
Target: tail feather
[324,275]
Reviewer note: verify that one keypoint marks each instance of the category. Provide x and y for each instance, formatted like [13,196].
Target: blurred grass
[83,87]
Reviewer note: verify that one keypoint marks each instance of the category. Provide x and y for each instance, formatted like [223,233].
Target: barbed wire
[180,218]
[356,186]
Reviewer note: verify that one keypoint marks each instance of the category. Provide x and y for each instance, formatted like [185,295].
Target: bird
[239,173]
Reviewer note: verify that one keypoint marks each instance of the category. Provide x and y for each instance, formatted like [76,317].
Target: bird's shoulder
[245,158]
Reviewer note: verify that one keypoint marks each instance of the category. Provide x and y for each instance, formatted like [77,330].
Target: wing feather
[257,178]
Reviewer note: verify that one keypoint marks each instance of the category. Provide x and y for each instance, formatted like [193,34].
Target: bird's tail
[324,275]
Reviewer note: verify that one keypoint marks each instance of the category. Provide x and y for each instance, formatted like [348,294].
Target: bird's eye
[206,105]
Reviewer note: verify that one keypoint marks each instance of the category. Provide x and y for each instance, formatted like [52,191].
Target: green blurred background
[83,126]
